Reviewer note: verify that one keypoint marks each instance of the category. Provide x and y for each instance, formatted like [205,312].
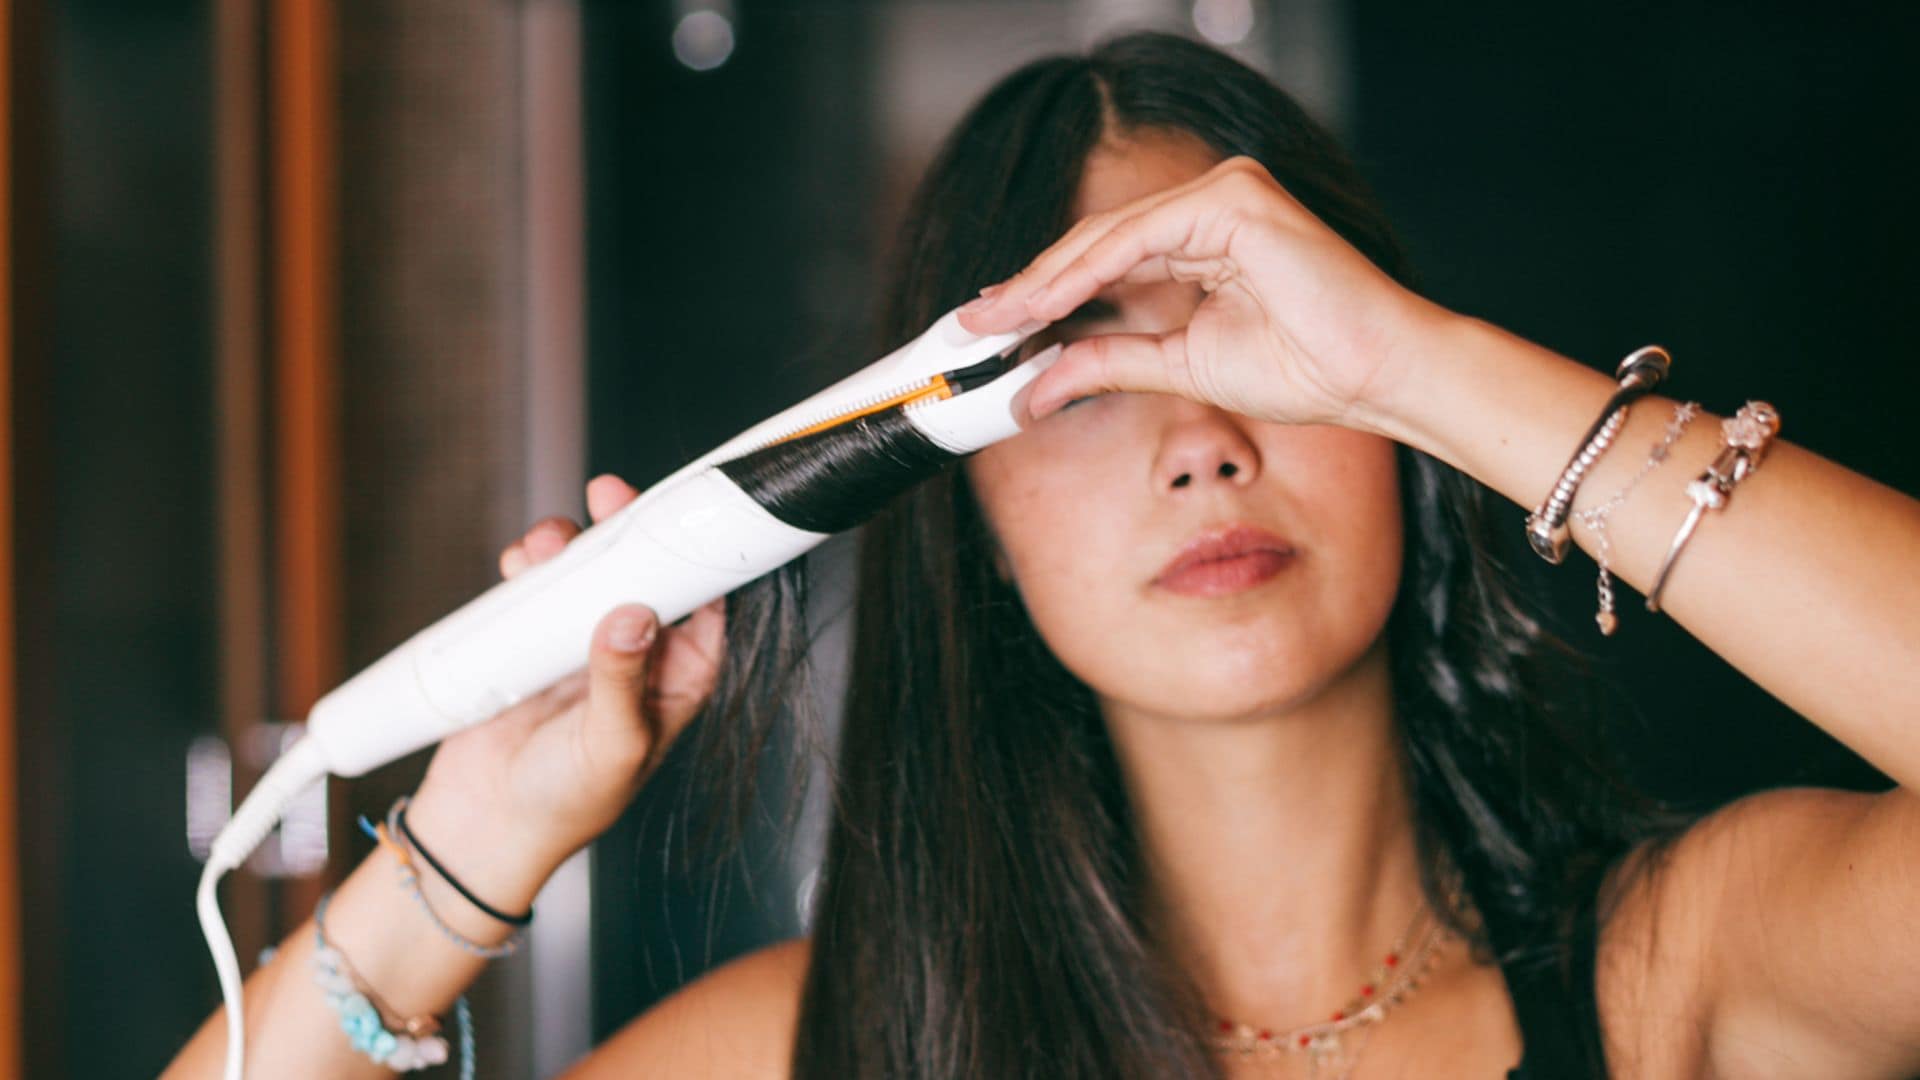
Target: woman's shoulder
[1671,906]
[1649,935]
[737,1020]
[1748,940]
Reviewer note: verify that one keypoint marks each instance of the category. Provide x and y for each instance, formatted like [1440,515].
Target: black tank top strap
[1553,1000]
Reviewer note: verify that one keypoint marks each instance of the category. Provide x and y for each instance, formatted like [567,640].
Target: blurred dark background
[316,304]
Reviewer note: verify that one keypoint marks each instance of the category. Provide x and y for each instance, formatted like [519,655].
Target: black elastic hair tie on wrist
[510,920]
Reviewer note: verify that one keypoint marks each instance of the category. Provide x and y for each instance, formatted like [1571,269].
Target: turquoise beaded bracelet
[361,1019]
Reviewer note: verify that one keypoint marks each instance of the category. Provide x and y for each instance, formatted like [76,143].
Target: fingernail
[631,633]
[1047,357]
[986,298]
[1037,406]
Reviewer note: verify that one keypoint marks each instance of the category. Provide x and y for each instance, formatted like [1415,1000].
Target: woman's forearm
[291,1031]
[1805,581]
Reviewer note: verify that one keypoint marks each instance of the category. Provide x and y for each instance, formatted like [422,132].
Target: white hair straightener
[748,507]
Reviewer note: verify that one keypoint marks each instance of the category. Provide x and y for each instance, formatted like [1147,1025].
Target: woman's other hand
[1297,326]
[554,771]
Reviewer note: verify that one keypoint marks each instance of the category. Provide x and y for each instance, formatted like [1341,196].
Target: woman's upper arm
[737,1020]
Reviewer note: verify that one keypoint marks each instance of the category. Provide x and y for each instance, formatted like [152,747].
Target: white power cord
[295,770]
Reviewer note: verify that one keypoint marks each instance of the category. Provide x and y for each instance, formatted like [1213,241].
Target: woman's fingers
[1189,238]
[1096,229]
[687,667]
[643,681]
[646,682]
[1135,363]
[606,494]
[513,560]
[1183,233]
[547,538]
[1006,305]
[618,669]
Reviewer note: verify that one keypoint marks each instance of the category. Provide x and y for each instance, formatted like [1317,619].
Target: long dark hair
[980,911]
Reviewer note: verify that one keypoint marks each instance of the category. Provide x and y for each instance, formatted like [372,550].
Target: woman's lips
[1217,576]
[1226,559]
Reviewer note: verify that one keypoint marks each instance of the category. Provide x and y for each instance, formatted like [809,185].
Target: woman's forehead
[1122,168]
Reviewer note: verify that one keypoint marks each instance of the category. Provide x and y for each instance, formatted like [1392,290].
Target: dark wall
[1722,182]
[116,509]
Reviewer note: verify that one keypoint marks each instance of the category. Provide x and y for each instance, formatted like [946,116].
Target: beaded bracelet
[1547,529]
[364,1017]
[1744,437]
[410,882]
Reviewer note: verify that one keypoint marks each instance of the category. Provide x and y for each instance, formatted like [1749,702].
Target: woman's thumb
[618,666]
[1137,363]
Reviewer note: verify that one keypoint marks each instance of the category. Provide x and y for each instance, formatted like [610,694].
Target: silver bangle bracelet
[1744,438]
[1547,530]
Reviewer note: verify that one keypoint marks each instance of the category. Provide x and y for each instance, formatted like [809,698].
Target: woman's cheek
[1358,494]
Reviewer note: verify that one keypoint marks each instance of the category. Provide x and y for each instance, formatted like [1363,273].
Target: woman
[1103,810]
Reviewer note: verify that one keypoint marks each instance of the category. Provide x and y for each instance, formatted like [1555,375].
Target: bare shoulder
[1672,911]
[737,1020]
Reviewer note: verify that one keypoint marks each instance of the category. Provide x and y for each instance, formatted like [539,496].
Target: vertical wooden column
[308,619]
[277,390]
[27,883]
[10,1062]
[306,352]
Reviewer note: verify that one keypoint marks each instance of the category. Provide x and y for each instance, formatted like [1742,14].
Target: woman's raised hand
[552,772]
[1297,325]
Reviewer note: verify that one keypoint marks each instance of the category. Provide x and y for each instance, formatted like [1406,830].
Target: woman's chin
[1224,694]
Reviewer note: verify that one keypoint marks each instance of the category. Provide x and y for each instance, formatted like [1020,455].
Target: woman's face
[1090,503]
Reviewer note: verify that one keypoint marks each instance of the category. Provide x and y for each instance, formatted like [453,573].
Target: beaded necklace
[1332,1046]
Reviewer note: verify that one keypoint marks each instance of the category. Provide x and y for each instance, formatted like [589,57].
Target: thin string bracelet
[400,815]
[1595,517]
[409,881]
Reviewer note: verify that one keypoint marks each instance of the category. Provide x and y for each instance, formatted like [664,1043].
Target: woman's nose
[1203,445]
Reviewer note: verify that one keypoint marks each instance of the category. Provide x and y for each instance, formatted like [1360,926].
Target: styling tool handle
[674,549]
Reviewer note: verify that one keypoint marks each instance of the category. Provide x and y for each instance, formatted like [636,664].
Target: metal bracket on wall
[298,847]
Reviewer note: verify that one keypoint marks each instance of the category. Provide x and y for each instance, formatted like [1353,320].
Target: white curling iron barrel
[683,542]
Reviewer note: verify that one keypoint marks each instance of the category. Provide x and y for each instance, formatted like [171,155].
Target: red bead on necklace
[1388,986]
